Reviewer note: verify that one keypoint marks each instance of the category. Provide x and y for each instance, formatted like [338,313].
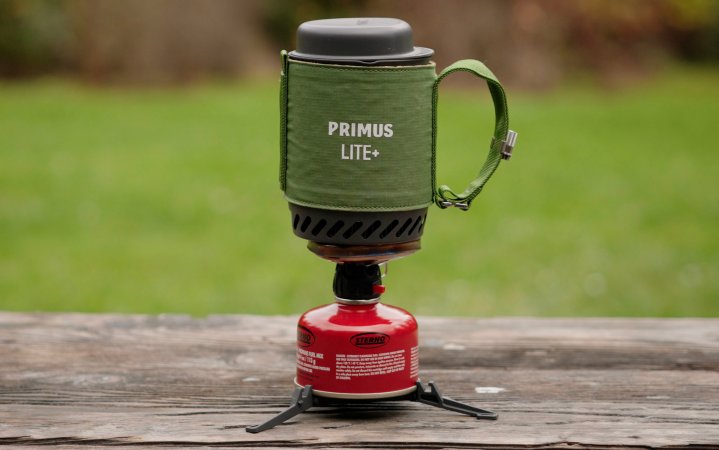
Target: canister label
[369,362]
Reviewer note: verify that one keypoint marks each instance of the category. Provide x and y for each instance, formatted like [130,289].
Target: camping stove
[357,166]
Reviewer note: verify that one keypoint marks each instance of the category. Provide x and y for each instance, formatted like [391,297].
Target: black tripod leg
[434,398]
[302,400]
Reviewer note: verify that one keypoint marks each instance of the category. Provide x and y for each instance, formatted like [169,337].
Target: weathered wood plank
[75,379]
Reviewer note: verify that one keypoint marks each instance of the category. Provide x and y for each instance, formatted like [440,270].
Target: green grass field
[166,200]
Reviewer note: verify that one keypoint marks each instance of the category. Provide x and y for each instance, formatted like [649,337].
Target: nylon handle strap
[500,147]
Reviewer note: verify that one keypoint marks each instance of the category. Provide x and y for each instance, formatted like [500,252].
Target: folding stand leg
[302,400]
[434,398]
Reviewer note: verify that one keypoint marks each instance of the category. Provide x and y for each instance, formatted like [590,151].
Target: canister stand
[303,399]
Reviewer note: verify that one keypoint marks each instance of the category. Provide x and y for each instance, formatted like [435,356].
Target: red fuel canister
[356,351]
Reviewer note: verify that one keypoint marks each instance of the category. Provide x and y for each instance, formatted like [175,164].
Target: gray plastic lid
[367,40]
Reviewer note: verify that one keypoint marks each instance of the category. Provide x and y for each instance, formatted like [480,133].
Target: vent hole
[352,230]
[389,229]
[416,222]
[305,224]
[335,228]
[403,227]
[421,226]
[295,221]
[371,229]
[320,225]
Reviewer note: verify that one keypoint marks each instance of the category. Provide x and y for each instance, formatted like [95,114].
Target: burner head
[357,283]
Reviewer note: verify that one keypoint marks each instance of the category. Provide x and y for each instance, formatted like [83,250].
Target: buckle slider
[508,144]
[444,204]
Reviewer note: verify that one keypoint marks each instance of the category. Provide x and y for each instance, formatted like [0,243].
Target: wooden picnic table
[172,380]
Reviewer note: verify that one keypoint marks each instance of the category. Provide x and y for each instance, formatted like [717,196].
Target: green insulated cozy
[358,130]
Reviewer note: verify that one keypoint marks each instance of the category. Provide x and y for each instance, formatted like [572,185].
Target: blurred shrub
[693,28]
[535,44]
[34,37]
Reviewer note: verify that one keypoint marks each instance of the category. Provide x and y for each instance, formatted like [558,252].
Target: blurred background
[139,158]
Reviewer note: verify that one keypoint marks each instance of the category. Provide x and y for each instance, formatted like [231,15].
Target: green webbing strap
[502,142]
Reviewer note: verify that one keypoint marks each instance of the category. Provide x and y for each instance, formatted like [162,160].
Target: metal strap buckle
[464,206]
[507,144]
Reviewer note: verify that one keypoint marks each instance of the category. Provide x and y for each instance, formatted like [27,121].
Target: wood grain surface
[72,380]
